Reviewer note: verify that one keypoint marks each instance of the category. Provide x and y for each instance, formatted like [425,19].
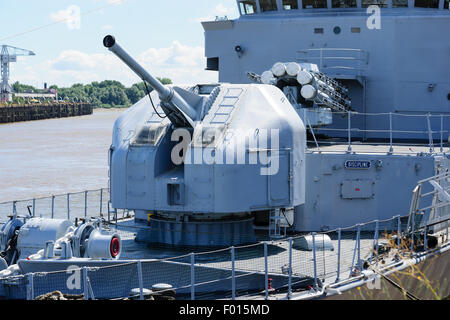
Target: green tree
[134,93]
[104,94]
[22,88]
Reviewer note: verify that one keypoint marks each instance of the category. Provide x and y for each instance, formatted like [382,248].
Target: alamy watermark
[71,16]
[236,147]
[375,284]
[74,280]
[374,21]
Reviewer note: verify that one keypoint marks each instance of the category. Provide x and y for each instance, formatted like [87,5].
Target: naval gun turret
[200,165]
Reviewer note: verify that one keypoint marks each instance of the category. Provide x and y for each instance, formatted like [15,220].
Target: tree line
[104,94]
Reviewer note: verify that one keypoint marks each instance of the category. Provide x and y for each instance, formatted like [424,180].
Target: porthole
[337,30]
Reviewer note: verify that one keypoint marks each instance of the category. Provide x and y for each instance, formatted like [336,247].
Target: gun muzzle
[166,94]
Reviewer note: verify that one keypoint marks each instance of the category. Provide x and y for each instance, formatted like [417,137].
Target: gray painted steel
[401,67]
[338,196]
[223,177]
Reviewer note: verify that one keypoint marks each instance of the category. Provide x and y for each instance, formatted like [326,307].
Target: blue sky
[166,36]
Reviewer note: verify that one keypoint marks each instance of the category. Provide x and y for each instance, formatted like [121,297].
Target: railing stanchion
[356,251]
[290,270]
[101,202]
[233,276]
[315,260]
[391,149]
[30,287]
[85,203]
[359,248]
[349,115]
[430,134]
[442,133]
[339,255]
[310,129]
[141,280]
[447,229]
[266,271]
[53,207]
[192,276]
[375,241]
[425,232]
[14,208]
[68,206]
[109,213]
[413,223]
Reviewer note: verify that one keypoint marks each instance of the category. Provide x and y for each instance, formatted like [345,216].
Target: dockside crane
[9,54]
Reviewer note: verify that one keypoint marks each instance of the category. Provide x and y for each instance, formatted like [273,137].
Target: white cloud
[181,63]
[221,10]
[61,15]
[76,60]
[71,15]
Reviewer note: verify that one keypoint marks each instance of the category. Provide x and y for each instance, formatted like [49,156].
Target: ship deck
[375,148]
[250,260]
[213,268]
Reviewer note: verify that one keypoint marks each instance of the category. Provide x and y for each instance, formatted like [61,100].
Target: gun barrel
[165,93]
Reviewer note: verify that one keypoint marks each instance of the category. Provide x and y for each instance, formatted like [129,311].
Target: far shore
[111,109]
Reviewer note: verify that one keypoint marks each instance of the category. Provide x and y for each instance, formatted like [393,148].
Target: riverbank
[32,112]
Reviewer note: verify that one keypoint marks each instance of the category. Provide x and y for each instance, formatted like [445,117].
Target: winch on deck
[25,243]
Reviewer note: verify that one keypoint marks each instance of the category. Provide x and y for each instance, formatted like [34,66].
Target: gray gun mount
[243,156]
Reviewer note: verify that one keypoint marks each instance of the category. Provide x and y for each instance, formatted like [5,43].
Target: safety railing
[284,268]
[429,216]
[70,206]
[336,61]
[353,129]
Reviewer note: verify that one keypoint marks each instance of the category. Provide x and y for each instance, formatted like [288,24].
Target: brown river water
[56,156]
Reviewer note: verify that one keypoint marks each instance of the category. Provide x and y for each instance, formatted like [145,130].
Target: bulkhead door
[280,181]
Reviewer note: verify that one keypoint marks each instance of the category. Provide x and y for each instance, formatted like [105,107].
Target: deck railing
[84,204]
[257,271]
[286,267]
[430,128]
[336,61]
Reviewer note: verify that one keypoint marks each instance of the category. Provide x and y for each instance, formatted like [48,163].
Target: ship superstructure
[392,55]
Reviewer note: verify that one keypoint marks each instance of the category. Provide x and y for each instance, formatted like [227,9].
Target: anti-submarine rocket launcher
[314,95]
[199,164]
